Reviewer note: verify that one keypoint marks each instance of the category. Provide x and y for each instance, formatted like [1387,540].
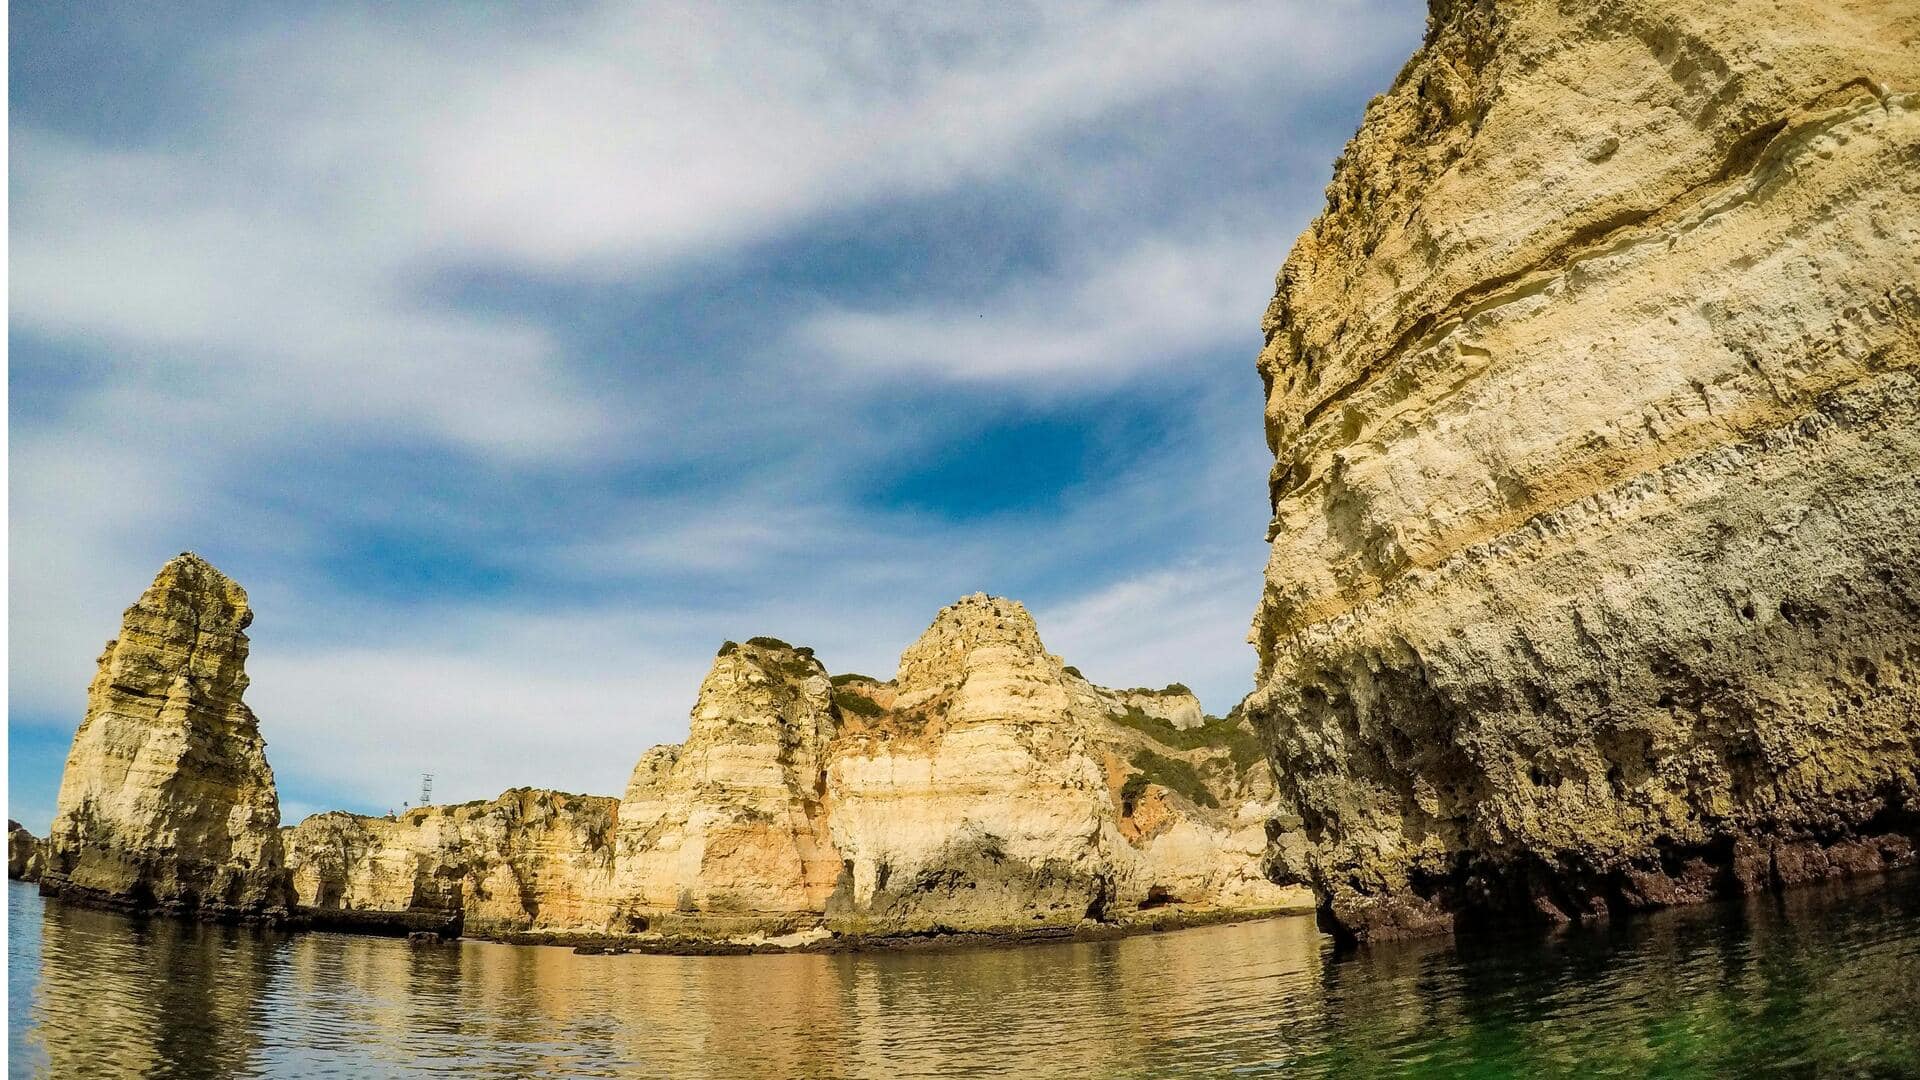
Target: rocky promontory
[167,801]
[1595,574]
[986,789]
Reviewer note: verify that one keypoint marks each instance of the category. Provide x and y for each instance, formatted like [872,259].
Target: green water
[1819,982]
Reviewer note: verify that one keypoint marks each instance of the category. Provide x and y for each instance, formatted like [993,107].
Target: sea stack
[167,801]
[1595,573]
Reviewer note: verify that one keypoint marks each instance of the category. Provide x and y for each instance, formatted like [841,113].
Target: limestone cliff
[167,800]
[26,853]
[987,788]
[731,822]
[1595,575]
[530,860]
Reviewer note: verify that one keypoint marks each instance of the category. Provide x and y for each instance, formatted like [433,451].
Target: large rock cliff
[167,801]
[528,861]
[987,788]
[1595,577]
[731,823]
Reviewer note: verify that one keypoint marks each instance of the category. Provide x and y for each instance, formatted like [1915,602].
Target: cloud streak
[407,318]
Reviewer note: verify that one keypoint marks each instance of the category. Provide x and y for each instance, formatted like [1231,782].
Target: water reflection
[1823,980]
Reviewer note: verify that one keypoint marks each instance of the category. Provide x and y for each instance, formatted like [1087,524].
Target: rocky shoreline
[986,793]
[1594,581]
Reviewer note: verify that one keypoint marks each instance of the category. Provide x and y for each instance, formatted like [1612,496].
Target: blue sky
[513,361]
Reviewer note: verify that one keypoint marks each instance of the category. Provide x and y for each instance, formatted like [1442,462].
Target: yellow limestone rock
[167,800]
[731,823]
[528,861]
[1595,578]
[985,788]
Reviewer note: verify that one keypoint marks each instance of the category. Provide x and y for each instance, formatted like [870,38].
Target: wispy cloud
[1104,313]
[384,292]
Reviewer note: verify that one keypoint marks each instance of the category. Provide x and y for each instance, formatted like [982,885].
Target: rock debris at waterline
[1595,576]
[987,789]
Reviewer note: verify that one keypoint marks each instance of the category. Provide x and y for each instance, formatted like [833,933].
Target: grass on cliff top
[854,676]
[1170,773]
[851,701]
[1174,689]
[1219,732]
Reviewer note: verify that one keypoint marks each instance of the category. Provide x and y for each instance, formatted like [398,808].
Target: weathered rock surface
[26,853]
[528,861]
[731,823]
[987,787]
[167,801]
[1595,577]
[1175,704]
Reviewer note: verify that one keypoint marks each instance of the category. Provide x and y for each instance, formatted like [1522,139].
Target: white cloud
[1105,314]
[1187,624]
[269,283]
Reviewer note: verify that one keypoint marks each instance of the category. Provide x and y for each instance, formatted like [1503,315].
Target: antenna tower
[426,788]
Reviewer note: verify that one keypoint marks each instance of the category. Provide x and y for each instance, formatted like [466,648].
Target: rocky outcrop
[730,825]
[26,853]
[1595,577]
[167,801]
[1175,704]
[528,861]
[985,789]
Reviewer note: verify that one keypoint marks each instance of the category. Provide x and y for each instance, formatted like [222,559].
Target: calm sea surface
[1823,981]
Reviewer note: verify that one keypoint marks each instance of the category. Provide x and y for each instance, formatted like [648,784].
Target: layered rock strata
[167,801]
[528,861]
[732,823]
[1595,575]
[985,789]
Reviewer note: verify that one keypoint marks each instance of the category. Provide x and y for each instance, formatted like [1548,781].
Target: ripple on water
[1822,980]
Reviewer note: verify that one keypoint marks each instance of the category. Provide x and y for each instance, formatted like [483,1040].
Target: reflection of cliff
[986,788]
[161,998]
[1595,576]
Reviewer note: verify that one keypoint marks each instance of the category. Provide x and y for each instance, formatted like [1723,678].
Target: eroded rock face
[731,823]
[167,801]
[987,788]
[1596,542]
[26,853]
[530,860]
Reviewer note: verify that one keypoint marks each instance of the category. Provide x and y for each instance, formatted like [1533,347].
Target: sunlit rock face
[528,861]
[1595,574]
[987,787]
[167,801]
[732,822]
[974,797]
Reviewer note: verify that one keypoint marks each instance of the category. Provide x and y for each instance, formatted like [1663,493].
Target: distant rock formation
[530,860]
[985,789]
[26,853]
[1595,578]
[167,801]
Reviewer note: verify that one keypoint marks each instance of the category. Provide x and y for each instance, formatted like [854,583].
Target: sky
[513,358]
